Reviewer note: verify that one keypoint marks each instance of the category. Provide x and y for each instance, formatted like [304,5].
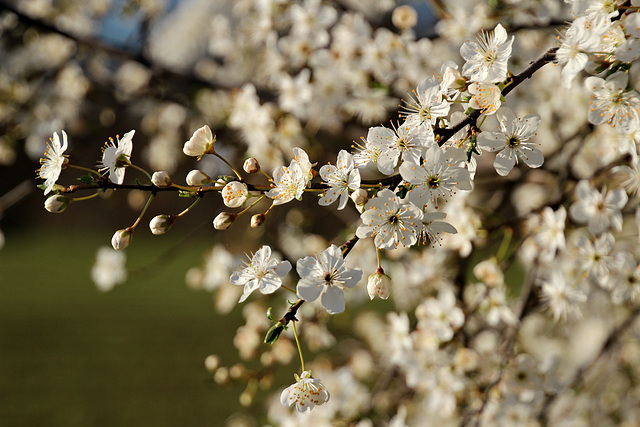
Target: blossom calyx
[161,179]
[160,224]
[57,203]
[122,238]
[379,284]
[224,220]
[251,165]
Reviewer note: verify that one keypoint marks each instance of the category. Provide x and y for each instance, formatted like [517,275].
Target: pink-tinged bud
[122,238]
[224,220]
[379,284]
[257,220]
[57,203]
[359,196]
[251,165]
[234,194]
[162,223]
[161,179]
[197,178]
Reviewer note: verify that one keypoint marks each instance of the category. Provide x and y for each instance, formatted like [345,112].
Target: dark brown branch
[443,135]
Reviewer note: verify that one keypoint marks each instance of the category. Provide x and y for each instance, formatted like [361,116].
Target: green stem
[148,175]
[144,210]
[228,164]
[288,288]
[90,196]
[251,205]
[295,334]
[189,208]
[266,174]
[504,246]
[69,165]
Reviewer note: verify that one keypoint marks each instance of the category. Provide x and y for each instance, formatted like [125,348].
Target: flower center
[433,182]
[513,142]
[393,219]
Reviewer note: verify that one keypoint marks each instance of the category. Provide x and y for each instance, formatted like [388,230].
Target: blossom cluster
[466,335]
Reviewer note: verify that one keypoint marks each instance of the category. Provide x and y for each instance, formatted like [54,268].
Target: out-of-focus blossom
[600,210]
[109,269]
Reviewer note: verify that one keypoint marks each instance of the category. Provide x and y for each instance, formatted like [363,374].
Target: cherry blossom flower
[306,393]
[432,227]
[326,276]
[611,103]
[341,178]
[390,221]
[513,141]
[290,183]
[600,210]
[486,60]
[427,105]
[379,284]
[407,142]
[572,51]
[439,175]
[116,157]
[54,161]
[485,97]
[234,194]
[366,152]
[200,143]
[261,272]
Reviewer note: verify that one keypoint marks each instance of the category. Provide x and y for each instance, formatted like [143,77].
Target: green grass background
[73,356]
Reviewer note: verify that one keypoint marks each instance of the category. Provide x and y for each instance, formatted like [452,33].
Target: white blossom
[325,276]
[261,272]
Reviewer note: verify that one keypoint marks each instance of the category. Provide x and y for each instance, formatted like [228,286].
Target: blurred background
[71,354]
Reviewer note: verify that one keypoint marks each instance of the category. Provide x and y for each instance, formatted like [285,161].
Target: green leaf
[269,315]
[87,179]
[185,193]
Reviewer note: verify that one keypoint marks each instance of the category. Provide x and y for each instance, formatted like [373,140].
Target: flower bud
[161,179]
[160,224]
[57,203]
[359,196]
[122,238]
[234,194]
[257,220]
[224,220]
[197,178]
[251,165]
[212,363]
[404,17]
[379,284]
